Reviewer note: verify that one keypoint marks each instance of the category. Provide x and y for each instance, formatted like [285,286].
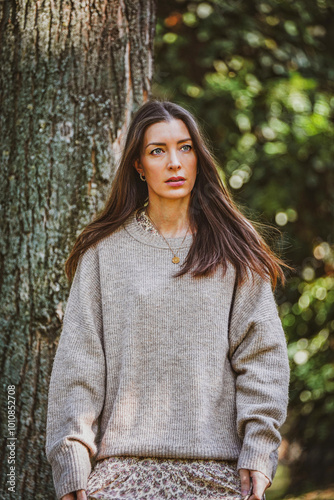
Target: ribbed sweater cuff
[261,460]
[71,467]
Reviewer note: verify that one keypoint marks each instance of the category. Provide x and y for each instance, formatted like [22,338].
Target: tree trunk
[72,74]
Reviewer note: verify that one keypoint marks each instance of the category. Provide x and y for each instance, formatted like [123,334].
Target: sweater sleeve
[77,384]
[259,357]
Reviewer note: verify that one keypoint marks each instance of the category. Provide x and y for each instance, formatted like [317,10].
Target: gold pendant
[175,260]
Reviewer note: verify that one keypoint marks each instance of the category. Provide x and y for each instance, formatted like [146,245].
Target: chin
[177,193]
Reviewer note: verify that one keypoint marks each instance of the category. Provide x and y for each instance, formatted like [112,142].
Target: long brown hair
[223,233]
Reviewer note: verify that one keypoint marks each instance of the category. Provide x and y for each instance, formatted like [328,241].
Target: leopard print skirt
[148,478]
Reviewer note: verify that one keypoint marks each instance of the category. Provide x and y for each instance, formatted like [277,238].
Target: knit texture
[156,366]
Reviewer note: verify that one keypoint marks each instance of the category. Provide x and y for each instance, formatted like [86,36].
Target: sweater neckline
[139,233]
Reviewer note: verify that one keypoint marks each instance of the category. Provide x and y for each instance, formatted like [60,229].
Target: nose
[174,161]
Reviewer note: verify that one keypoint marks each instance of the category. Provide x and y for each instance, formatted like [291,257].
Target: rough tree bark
[72,74]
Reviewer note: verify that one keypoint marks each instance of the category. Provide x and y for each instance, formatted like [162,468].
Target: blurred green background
[260,78]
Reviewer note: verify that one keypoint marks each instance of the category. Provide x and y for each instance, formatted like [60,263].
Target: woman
[168,384]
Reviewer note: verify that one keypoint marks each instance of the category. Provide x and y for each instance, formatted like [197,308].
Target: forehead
[166,131]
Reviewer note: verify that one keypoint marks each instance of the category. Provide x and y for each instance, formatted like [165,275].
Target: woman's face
[167,151]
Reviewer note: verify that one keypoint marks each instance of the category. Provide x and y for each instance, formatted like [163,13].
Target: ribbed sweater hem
[70,468]
[170,452]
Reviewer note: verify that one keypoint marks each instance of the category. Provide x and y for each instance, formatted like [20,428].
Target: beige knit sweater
[151,365]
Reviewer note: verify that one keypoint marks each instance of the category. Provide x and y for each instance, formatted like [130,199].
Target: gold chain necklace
[175,259]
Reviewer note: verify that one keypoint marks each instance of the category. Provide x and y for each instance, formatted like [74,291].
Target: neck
[171,221]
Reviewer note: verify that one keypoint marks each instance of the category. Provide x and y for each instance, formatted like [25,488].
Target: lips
[175,179]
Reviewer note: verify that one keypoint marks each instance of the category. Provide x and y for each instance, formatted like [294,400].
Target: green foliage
[260,77]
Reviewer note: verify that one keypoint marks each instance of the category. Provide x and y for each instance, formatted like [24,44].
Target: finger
[69,496]
[81,495]
[260,482]
[262,476]
[245,481]
[260,479]
[255,496]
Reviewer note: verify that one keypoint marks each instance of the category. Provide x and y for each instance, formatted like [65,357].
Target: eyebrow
[164,144]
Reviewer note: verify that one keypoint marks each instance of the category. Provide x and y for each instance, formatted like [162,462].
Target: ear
[137,167]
